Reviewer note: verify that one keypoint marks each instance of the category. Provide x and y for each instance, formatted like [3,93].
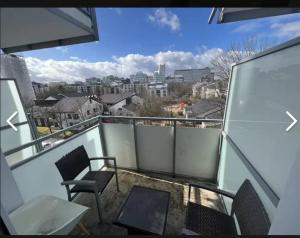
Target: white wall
[113,109]
[41,177]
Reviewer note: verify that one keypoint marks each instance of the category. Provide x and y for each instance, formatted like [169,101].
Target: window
[71,124]
[94,109]
[53,116]
[75,116]
[69,116]
[88,112]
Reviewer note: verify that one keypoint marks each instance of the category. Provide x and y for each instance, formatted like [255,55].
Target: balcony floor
[111,202]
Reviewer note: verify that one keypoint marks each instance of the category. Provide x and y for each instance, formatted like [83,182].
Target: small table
[145,211]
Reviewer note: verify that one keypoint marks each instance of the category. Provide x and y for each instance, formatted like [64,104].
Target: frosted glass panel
[261,92]
[155,148]
[232,173]
[11,139]
[10,102]
[119,140]
[40,176]
[197,152]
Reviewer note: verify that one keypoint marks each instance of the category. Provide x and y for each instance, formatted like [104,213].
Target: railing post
[34,132]
[174,148]
[102,139]
[135,145]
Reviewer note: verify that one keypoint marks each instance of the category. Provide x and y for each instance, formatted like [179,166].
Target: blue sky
[143,35]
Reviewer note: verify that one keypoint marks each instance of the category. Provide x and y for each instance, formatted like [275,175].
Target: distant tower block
[162,70]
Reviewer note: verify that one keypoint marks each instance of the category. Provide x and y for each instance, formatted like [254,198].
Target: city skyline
[179,38]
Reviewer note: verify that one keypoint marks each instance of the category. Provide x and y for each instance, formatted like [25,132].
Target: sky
[139,39]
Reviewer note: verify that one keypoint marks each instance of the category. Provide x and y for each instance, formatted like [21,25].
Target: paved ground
[111,202]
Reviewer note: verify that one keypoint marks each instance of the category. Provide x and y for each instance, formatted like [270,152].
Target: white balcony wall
[119,140]
[40,175]
[197,152]
[155,148]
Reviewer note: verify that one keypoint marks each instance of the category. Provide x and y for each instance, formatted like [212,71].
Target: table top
[146,210]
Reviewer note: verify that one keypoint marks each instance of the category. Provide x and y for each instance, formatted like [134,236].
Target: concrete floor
[111,202]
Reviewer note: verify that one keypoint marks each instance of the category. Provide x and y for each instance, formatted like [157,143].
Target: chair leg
[98,206]
[117,181]
[82,228]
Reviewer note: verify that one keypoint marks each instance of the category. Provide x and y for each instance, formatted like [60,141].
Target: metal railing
[98,121]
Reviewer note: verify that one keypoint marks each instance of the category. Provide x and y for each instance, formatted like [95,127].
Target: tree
[151,107]
[237,51]
[180,89]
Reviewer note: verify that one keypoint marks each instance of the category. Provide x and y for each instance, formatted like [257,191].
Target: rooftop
[69,104]
[115,98]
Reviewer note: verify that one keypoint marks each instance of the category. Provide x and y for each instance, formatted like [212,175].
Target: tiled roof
[115,98]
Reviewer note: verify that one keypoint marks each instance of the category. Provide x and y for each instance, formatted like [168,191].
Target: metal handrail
[96,118]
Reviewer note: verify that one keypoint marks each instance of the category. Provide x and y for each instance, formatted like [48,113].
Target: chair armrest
[79,182]
[106,158]
[103,158]
[216,190]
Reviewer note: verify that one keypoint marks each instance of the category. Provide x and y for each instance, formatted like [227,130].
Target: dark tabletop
[145,209]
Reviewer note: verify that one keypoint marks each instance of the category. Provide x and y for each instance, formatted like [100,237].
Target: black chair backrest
[73,163]
[249,211]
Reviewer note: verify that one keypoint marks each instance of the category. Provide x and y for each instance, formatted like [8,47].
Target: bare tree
[236,52]
[151,107]
[180,89]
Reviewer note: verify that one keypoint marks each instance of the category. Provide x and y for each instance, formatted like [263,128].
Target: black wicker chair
[73,163]
[246,206]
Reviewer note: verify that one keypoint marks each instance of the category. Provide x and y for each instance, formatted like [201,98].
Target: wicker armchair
[246,206]
[73,163]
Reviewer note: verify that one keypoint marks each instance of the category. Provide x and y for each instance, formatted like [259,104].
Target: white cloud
[247,27]
[62,49]
[289,29]
[75,58]
[118,11]
[78,69]
[165,18]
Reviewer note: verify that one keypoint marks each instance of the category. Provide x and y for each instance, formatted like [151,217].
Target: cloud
[78,69]
[283,26]
[165,18]
[289,29]
[247,27]
[62,49]
[75,58]
[118,11]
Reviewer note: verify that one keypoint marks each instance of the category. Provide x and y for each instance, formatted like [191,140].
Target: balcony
[250,143]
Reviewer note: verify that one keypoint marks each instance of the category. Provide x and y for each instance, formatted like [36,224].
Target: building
[14,67]
[162,70]
[205,90]
[158,89]
[71,110]
[40,89]
[56,84]
[92,80]
[194,75]
[115,102]
[160,74]
[139,77]
[77,87]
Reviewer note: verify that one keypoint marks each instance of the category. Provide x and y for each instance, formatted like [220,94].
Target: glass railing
[166,149]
